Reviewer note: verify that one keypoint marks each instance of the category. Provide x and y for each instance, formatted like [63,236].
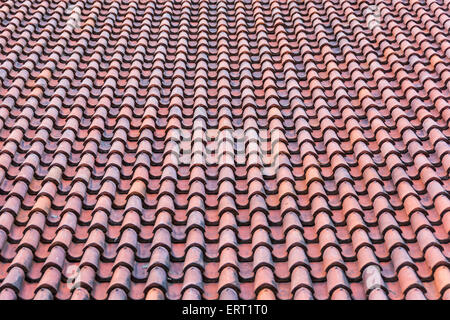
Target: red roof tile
[224,149]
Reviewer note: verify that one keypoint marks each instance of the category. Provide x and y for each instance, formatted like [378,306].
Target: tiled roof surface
[224,149]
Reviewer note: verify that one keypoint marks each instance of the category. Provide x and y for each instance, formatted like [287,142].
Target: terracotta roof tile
[224,150]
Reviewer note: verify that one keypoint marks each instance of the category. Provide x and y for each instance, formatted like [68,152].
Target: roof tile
[224,150]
